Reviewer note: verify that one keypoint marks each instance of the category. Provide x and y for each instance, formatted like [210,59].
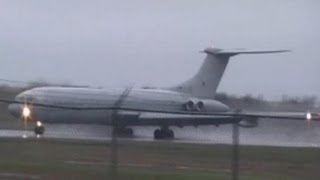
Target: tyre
[157,134]
[170,134]
[129,131]
[39,130]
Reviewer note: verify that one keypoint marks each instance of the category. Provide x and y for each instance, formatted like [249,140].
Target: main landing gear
[163,133]
[124,132]
[39,129]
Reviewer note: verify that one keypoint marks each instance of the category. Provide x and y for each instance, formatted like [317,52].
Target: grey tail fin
[205,83]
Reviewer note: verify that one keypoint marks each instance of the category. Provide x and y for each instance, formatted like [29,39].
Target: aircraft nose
[15,110]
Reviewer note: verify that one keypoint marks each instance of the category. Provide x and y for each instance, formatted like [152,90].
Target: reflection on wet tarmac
[272,133]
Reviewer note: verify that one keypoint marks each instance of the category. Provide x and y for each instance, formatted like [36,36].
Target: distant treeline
[287,103]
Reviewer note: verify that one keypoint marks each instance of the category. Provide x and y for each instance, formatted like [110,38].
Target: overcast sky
[120,43]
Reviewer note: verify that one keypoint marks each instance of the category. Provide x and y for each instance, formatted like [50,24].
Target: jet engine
[210,105]
[189,105]
[249,123]
[205,105]
[199,106]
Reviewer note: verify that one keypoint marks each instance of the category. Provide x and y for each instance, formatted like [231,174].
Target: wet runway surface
[271,133]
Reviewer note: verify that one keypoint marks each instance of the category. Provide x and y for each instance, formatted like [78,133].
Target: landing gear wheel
[125,132]
[157,134]
[39,130]
[170,134]
[128,131]
[163,134]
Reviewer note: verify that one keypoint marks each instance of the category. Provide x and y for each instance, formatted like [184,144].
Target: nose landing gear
[124,132]
[39,128]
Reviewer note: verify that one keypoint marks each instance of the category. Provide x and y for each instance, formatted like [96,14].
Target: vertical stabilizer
[205,83]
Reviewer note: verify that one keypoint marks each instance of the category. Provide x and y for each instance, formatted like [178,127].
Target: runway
[269,132]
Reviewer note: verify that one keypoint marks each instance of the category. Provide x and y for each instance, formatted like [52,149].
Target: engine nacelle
[249,123]
[189,105]
[211,105]
[205,105]
[199,106]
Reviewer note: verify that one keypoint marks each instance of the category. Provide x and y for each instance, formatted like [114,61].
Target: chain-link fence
[274,150]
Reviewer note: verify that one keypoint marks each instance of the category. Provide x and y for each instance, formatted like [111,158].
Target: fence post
[235,149]
[114,140]
[114,150]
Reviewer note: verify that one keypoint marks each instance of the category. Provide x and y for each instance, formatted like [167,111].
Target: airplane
[190,103]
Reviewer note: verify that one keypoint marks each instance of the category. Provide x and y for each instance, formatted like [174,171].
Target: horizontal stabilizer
[232,52]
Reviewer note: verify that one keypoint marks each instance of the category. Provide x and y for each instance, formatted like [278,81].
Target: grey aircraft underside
[190,103]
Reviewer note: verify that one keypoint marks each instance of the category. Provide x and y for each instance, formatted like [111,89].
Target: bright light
[26,112]
[308,116]
[24,136]
[39,123]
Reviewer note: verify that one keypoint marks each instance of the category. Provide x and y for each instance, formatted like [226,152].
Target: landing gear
[163,133]
[39,129]
[124,132]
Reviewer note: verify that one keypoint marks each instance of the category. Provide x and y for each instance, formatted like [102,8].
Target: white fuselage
[95,102]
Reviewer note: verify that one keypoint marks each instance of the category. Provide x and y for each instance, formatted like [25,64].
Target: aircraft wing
[276,115]
[158,118]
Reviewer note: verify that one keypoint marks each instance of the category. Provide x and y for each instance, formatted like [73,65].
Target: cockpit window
[25,98]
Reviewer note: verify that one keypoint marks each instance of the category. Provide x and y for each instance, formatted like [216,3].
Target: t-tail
[205,83]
